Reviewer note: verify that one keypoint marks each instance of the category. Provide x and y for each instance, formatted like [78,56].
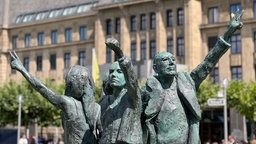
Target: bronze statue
[172,112]
[121,109]
[80,114]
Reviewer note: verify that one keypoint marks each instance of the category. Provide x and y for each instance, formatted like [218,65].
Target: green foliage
[34,106]
[207,90]
[242,96]
[142,83]
[98,90]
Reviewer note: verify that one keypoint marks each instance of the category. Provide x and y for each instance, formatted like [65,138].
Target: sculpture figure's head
[116,76]
[165,64]
[76,80]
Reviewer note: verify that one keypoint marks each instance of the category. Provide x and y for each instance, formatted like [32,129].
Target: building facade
[50,36]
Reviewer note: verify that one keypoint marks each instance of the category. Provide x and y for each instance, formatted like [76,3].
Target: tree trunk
[252,130]
[41,133]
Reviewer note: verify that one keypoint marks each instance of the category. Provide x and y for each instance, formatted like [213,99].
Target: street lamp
[20,97]
[225,85]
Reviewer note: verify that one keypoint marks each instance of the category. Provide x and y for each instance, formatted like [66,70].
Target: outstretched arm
[128,70]
[222,45]
[38,85]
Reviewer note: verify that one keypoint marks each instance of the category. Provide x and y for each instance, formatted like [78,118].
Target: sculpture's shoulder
[185,78]
[153,83]
[152,88]
[70,104]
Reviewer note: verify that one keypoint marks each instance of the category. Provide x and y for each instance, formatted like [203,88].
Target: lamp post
[225,85]
[19,117]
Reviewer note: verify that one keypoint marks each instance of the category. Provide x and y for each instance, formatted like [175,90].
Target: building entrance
[212,125]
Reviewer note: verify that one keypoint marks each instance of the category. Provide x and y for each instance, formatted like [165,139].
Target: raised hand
[235,19]
[234,24]
[15,61]
[114,45]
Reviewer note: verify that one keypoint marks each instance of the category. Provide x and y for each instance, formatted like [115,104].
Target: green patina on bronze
[171,110]
[121,108]
[80,114]
[169,107]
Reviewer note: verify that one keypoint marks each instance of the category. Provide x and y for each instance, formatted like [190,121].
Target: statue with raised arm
[80,114]
[121,108]
[171,109]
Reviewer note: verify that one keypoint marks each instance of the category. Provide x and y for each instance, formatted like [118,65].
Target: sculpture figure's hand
[15,61]
[235,19]
[234,24]
[114,45]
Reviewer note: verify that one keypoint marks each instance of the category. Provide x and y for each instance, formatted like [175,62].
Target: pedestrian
[23,139]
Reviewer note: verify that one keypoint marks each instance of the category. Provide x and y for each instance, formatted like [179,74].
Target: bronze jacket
[187,85]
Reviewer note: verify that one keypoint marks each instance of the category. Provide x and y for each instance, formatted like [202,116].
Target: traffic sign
[216,102]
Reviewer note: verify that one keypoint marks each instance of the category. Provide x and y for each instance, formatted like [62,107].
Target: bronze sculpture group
[165,110]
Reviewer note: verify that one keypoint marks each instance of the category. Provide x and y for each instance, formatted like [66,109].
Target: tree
[98,90]
[34,106]
[207,90]
[242,96]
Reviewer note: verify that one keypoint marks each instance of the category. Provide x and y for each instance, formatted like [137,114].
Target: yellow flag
[95,67]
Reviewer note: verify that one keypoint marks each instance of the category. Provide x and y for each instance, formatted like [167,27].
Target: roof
[56,12]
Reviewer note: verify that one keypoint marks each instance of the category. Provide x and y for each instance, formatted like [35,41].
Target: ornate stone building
[50,36]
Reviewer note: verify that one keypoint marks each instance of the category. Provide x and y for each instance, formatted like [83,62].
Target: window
[26,63]
[180,16]
[68,34]
[143,22]
[82,58]
[27,40]
[108,27]
[54,37]
[55,13]
[143,53]
[118,24]
[254,8]
[39,63]
[42,15]
[180,47]
[212,41]
[152,20]
[170,45]
[213,14]
[133,23]
[169,18]
[235,44]
[254,40]
[109,55]
[69,10]
[133,51]
[152,49]
[40,38]
[53,61]
[15,41]
[82,32]
[254,70]
[67,58]
[236,72]
[215,75]
[235,7]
